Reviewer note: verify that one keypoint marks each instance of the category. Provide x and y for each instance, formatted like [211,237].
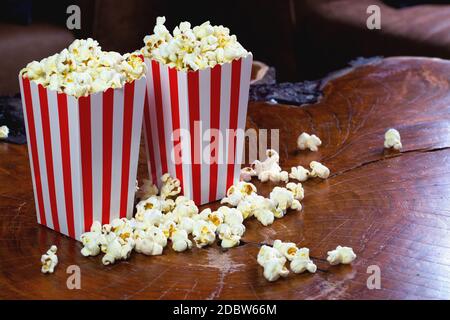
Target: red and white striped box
[83,154]
[217,98]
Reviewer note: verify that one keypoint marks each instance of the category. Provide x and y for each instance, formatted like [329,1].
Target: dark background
[302,39]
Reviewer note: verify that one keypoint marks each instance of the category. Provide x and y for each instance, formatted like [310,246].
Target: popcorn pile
[4,132]
[194,48]
[84,68]
[49,260]
[392,139]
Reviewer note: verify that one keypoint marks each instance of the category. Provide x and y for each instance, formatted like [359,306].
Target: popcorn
[299,173]
[4,132]
[215,217]
[233,218]
[204,233]
[272,262]
[341,255]
[267,253]
[171,186]
[392,139]
[114,251]
[261,208]
[237,193]
[269,169]
[84,68]
[319,170]
[91,240]
[180,241]
[247,173]
[150,242]
[228,237]
[147,190]
[296,189]
[283,200]
[301,262]
[306,141]
[49,260]
[192,49]
[186,224]
[287,249]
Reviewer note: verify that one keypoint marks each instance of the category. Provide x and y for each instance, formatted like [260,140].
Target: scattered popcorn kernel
[392,139]
[287,249]
[301,262]
[319,170]
[247,173]
[296,189]
[91,240]
[4,132]
[283,200]
[269,169]
[180,241]
[267,253]
[237,193]
[274,269]
[299,173]
[204,233]
[306,141]
[49,260]
[228,237]
[171,186]
[341,255]
[147,190]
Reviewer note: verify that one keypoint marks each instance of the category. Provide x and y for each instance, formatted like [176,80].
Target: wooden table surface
[392,208]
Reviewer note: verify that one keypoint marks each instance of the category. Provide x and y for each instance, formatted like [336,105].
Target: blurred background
[302,39]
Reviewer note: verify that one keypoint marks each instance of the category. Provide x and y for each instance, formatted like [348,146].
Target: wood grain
[392,208]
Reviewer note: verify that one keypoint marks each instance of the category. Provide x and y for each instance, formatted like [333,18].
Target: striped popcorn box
[194,126]
[83,154]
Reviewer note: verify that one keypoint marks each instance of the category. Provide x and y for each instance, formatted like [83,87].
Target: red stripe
[215,125]
[66,164]
[48,154]
[108,112]
[126,146]
[86,158]
[149,139]
[159,115]
[175,107]
[33,147]
[234,110]
[194,116]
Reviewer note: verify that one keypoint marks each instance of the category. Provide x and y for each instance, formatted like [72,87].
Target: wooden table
[392,208]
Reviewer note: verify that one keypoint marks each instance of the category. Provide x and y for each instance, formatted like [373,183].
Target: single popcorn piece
[263,209]
[269,169]
[237,193]
[247,173]
[204,233]
[341,255]
[4,132]
[147,190]
[301,262]
[319,170]
[267,253]
[392,139]
[274,269]
[171,186]
[287,249]
[296,189]
[180,241]
[49,260]
[299,173]
[150,242]
[228,237]
[83,69]
[306,141]
[283,200]
[194,48]
[91,240]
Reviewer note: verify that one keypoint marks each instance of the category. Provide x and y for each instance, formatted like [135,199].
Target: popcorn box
[189,121]
[83,154]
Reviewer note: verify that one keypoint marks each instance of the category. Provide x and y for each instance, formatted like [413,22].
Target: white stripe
[116,163]
[154,122]
[246,69]
[185,138]
[75,163]
[167,118]
[41,153]
[147,150]
[57,160]
[24,108]
[138,108]
[97,153]
[225,91]
[205,111]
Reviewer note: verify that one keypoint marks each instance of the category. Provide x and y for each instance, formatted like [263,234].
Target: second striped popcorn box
[194,124]
[83,145]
